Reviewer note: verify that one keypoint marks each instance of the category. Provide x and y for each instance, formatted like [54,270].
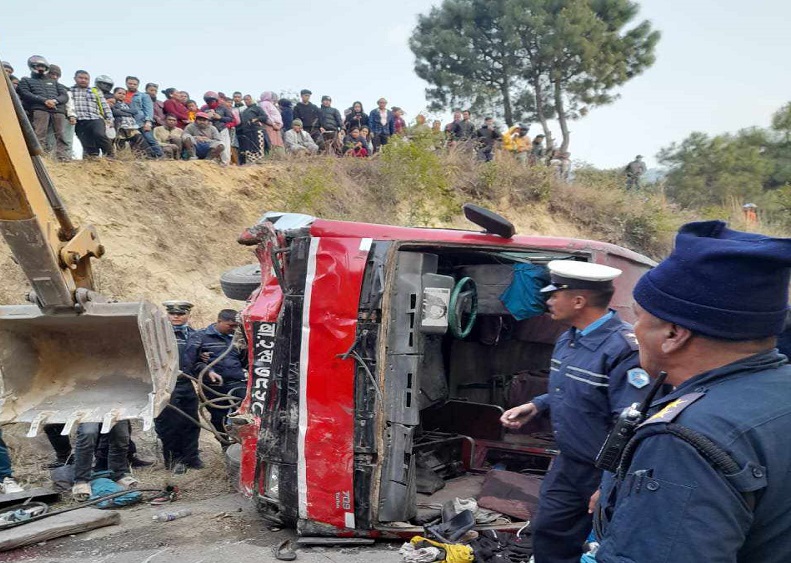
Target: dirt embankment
[169,228]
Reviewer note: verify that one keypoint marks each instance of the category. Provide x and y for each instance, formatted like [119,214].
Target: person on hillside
[55,73]
[537,152]
[365,135]
[298,141]
[143,108]
[105,85]
[126,127]
[228,376]
[516,142]
[202,140]
[634,173]
[354,145]
[180,435]
[93,115]
[192,110]
[45,100]
[330,121]
[273,124]
[750,212]
[7,68]
[222,119]
[487,137]
[399,123]
[382,124]
[420,125]
[253,138]
[152,90]
[560,164]
[177,107]
[286,112]
[356,118]
[309,114]
[463,131]
[169,137]
[448,129]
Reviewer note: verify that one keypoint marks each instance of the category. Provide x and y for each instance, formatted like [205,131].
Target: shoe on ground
[81,491]
[127,482]
[195,464]
[59,463]
[137,462]
[180,468]
[9,485]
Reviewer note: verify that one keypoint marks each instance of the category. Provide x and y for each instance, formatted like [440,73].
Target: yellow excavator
[69,355]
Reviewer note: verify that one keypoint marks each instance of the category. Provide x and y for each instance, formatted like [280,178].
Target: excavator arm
[52,251]
[69,355]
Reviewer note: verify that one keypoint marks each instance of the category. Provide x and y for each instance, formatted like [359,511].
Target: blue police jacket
[589,385]
[183,333]
[233,367]
[675,506]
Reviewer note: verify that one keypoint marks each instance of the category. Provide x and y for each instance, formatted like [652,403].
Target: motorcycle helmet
[103,83]
[37,60]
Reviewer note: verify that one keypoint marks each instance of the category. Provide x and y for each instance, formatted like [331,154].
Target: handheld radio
[610,454]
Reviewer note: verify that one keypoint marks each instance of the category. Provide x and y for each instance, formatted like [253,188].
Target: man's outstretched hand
[516,417]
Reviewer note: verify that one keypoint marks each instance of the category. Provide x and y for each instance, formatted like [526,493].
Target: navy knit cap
[721,283]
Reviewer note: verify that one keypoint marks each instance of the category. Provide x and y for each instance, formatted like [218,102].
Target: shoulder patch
[631,339]
[673,409]
[638,377]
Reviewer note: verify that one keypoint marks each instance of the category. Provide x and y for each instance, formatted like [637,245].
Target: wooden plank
[74,522]
[39,494]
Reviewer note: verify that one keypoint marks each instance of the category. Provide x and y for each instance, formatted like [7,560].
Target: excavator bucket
[114,361]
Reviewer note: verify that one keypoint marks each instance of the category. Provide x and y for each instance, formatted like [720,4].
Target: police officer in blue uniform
[178,433]
[224,361]
[594,375]
[707,477]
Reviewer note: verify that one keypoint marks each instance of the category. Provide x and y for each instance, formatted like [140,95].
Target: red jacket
[175,107]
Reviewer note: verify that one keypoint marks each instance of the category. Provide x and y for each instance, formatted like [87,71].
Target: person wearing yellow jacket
[516,142]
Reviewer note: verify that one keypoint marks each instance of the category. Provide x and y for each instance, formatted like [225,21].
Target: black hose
[217,402]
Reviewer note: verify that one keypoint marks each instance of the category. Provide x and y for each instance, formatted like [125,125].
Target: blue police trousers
[562,524]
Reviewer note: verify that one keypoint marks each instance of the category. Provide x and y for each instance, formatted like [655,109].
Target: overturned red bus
[381,360]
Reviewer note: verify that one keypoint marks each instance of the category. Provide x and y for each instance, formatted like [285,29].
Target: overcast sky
[721,64]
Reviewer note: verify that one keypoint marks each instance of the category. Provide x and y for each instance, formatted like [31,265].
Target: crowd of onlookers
[238,129]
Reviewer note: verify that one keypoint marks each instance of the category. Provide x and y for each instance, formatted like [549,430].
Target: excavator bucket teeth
[115,361]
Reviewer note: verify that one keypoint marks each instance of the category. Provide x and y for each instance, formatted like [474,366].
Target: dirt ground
[224,526]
